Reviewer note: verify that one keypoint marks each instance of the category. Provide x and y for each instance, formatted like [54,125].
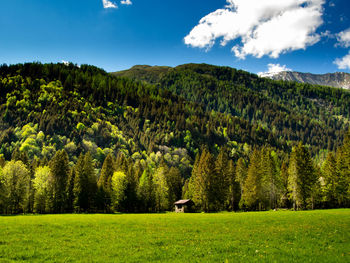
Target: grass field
[286,236]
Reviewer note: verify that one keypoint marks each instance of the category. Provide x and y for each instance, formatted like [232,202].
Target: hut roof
[183,202]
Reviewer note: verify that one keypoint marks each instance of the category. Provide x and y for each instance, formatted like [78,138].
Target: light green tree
[119,184]
[41,185]
[15,181]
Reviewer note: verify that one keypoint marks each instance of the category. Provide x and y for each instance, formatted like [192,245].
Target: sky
[258,36]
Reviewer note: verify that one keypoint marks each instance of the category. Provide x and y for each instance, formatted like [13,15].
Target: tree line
[263,181]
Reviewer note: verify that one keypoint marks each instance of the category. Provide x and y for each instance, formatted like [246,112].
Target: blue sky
[115,36]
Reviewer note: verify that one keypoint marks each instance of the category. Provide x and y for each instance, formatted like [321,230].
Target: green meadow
[282,236]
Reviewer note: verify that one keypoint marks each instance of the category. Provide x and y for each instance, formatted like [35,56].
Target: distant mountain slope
[144,73]
[337,80]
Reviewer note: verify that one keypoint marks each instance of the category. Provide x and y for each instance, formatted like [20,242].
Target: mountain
[313,114]
[144,73]
[337,80]
[48,107]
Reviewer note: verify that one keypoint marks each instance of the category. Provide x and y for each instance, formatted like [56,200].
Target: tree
[145,192]
[15,181]
[85,185]
[105,183]
[41,185]
[161,189]
[252,196]
[119,184]
[241,173]
[202,185]
[175,183]
[330,181]
[221,181]
[59,166]
[271,183]
[234,189]
[301,177]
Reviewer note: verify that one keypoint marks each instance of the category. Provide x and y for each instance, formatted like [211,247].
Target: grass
[284,236]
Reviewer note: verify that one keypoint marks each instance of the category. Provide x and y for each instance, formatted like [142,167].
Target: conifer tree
[234,189]
[301,177]
[59,167]
[241,173]
[145,192]
[221,181]
[330,181]
[161,189]
[175,183]
[252,197]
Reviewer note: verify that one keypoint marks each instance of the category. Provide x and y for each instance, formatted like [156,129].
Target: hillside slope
[45,108]
[313,114]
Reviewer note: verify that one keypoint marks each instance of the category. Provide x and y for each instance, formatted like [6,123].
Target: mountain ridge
[337,79]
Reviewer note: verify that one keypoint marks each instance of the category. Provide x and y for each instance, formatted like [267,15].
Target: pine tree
[330,181]
[252,197]
[234,189]
[85,185]
[145,192]
[301,177]
[175,183]
[241,173]
[284,200]
[59,167]
[161,189]
[221,181]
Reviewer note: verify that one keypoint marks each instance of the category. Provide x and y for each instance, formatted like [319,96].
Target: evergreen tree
[145,192]
[330,181]
[234,189]
[301,177]
[221,181]
[241,173]
[252,196]
[284,200]
[85,185]
[161,189]
[175,184]
[59,167]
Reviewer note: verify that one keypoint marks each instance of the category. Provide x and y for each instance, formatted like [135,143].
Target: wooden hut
[183,206]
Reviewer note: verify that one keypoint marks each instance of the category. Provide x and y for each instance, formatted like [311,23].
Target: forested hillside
[75,138]
[315,115]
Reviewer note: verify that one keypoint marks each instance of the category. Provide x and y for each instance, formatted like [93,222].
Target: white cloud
[344,38]
[343,63]
[269,27]
[274,69]
[109,4]
[126,2]
[65,62]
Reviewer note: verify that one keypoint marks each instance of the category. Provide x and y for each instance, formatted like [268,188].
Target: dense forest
[78,139]
[314,115]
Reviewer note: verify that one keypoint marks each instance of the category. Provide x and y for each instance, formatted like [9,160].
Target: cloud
[273,69]
[269,27]
[343,63]
[126,2]
[109,4]
[344,38]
